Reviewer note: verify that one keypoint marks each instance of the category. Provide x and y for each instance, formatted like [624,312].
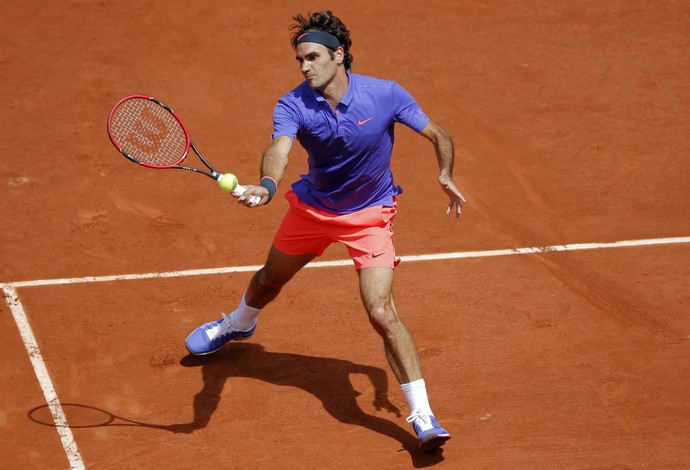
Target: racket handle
[239,190]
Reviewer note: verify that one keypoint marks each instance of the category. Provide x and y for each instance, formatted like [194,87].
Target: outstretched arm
[446,157]
[273,165]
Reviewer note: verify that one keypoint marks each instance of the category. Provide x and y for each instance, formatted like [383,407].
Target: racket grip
[239,190]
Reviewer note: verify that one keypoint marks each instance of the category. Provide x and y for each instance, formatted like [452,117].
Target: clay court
[551,319]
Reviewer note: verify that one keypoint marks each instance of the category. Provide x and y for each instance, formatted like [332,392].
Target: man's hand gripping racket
[148,132]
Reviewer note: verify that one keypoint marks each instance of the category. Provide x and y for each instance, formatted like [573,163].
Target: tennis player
[345,122]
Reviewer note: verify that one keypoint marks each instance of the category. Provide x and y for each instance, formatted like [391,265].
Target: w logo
[149,132]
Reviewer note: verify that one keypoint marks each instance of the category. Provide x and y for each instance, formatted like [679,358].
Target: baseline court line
[328,264]
[46,383]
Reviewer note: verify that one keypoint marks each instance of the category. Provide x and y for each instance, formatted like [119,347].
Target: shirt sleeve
[285,120]
[407,111]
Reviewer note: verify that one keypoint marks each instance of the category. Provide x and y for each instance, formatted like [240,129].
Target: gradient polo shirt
[349,150]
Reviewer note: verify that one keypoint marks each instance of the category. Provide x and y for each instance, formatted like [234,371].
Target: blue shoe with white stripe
[212,336]
[430,434]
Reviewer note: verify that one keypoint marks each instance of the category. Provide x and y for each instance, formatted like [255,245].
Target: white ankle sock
[415,392]
[245,316]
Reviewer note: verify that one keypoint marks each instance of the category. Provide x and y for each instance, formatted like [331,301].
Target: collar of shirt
[347,98]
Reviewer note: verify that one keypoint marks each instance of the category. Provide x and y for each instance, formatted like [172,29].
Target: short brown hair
[327,22]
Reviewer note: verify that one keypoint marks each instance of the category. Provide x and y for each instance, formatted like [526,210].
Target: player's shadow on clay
[325,378]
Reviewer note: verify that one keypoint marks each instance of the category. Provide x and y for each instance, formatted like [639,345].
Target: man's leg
[376,288]
[269,280]
[241,323]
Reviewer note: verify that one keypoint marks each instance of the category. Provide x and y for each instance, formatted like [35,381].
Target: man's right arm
[275,158]
[273,164]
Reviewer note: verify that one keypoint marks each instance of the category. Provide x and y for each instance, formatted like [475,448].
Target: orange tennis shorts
[367,234]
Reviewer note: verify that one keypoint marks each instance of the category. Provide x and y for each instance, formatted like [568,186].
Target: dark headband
[319,37]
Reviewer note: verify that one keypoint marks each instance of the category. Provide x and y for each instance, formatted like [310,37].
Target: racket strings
[149,133]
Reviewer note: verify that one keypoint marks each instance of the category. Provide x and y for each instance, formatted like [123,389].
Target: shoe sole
[433,442]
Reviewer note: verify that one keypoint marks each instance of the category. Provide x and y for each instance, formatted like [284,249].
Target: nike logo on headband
[319,37]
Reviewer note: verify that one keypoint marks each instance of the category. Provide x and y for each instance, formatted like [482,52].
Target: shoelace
[423,421]
[218,329]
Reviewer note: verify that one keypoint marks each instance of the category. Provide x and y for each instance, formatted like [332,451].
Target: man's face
[316,64]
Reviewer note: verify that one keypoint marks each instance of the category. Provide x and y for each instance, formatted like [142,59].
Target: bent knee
[270,280]
[383,318]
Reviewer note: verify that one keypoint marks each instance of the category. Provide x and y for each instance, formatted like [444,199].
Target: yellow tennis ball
[228,182]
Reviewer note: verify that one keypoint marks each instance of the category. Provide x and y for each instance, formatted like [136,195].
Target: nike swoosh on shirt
[360,122]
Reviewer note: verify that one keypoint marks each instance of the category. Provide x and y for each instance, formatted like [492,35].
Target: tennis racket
[149,133]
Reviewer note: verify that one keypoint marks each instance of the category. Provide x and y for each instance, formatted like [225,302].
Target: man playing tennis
[345,123]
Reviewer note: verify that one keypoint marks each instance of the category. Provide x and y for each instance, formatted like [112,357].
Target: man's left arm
[446,157]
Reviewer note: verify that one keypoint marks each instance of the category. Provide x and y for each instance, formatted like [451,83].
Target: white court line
[27,335]
[327,264]
[68,443]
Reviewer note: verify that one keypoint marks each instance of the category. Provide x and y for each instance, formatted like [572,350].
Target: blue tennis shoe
[212,336]
[430,434]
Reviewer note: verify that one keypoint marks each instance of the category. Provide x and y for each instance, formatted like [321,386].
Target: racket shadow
[78,416]
[325,378]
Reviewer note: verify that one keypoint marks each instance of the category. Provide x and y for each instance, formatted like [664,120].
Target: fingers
[249,200]
[458,207]
[455,199]
[251,196]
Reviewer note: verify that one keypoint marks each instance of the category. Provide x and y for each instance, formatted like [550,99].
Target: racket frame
[239,190]
[188,144]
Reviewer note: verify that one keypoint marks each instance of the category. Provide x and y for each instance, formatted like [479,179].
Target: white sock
[415,392]
[245,316]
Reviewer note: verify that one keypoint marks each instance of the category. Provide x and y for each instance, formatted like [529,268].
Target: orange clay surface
[571,125]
